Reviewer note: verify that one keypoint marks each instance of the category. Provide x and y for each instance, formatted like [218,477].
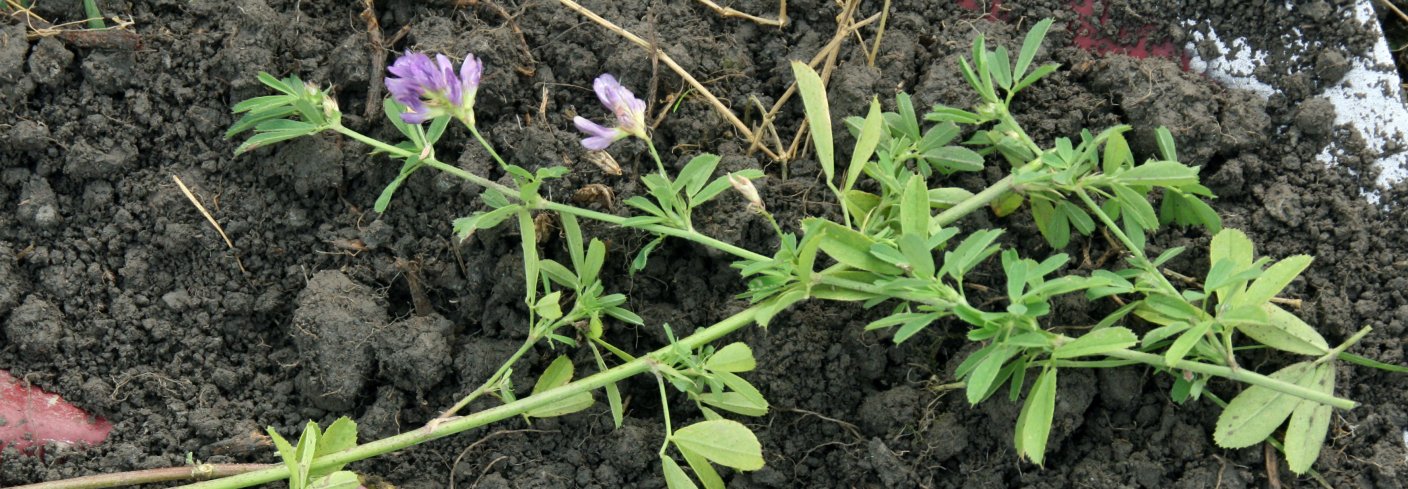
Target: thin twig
[209,218]
[729,12]
[822,55]
[879,33]
[665,58]
[377,53]
[532,68]
[1389,5]
[843,21]
[150,476]
[455,466]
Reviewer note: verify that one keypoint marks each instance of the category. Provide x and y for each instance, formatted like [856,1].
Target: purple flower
[629,111]
[430,89]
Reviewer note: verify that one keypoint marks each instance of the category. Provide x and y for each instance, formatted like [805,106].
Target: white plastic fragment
[1369,99]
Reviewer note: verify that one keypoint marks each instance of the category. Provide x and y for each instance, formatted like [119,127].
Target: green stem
[664,406]
[953,214]
[1143,261]
[485,143]
[694,236]
[149,476]
[430,162]
[1240,375]
[659,164]
[549,205]
[1335,353]
[441,428]
[95,16]
[1021,133]
[493,380]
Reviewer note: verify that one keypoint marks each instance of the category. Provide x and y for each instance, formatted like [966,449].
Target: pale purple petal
[416,116]
[599,136]
[606,88]
[449,83]
[470,72]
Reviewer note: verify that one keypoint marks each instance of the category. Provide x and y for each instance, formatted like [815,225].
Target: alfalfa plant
[896,246]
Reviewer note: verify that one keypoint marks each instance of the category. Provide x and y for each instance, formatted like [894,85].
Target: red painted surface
[1087,35]
[32,418]
[994,8]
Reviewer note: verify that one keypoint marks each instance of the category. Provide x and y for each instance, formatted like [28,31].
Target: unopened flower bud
[605,162]
[330,109]
[745,186]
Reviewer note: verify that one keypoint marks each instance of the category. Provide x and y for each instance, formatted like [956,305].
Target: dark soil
[116,294]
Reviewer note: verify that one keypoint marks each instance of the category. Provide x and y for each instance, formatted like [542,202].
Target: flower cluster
[629,110]
[431,89]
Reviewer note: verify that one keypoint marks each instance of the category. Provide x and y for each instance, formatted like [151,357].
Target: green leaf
[1000,64]
[261,139]
[596,256]
[703,470]
[1371,363]
[1036,75]
[340,435]
[1136,207]
[274,83]
[849,247]
[568,405]
[951,159]
[613,393]
[393,111]
[1185,343]
[743,388]
[1256,413]
[1097,342]
[337,480]
[721,184]
[1053,225]
[558,374]
[1234,245]
[675,478]
[548,306]
[625,315]
[643,256]
[1030,45]
[914,207]
[289,456]
[1274,280]
[735,402]
[256,104]
[1034,423]
[980,381]
[573,231]
[734,357]
[1310,422]
[1286,332]
[437,129]
[942,113]
[866,142]
[465,227]
[918,254]
[724,442]
[1078,217]
[696,173]
[813,93]
[908,121]
[529,242]
[1117,155]
[1159,174]
[384,200]
[973,250]
[1165,141]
